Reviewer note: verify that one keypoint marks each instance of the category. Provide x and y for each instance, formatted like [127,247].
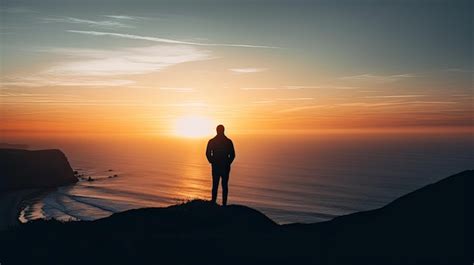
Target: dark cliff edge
[23,169]
[432,225]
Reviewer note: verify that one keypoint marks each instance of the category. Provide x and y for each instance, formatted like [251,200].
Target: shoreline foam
[11,205]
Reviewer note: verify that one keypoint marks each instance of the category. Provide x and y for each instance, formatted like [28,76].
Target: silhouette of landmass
[432,225]
[22,169]
[13,146]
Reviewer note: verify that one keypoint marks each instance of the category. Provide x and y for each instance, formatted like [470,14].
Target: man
[220,153]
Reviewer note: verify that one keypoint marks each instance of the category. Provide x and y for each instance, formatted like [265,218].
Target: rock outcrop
[21,169]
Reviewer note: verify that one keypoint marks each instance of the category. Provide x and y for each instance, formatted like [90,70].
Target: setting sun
[194,127]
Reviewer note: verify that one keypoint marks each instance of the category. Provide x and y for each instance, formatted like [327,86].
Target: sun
[194,127]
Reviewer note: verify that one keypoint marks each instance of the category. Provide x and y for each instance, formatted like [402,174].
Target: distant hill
[432,225]
[20,169]
[13,146]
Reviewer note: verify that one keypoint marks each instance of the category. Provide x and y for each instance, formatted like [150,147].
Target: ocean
[299,178]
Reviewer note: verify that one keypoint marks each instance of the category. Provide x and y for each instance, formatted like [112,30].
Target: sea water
[298,178]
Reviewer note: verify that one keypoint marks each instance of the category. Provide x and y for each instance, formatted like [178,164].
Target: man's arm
[231,153]
[209,152]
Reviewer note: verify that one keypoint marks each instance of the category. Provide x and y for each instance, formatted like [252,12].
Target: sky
[77,67]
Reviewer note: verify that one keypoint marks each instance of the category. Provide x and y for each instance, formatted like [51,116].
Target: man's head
[220,129]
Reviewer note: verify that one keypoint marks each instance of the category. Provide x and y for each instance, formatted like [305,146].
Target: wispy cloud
[384,104]
[321,87]
[293,99]
[461,95]
[41,80]
[178,89]
[301,108]
[397,96]
[378,78]
[366,104]
[128,61]
[189,104]
[259,88]
[94,23]
[432,102]
[165,40]
[294,87]
[267,101]
[368,91]
[262,101]
[125,17]
[247,70]
[96,67]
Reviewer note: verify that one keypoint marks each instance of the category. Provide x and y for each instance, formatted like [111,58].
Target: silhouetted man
[220,153]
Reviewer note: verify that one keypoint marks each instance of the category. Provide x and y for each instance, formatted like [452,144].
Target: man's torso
[221,147]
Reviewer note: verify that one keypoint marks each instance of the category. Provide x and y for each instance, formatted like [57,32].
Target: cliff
[432,225]
[20,169]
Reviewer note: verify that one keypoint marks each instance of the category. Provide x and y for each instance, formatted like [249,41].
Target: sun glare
[194,127]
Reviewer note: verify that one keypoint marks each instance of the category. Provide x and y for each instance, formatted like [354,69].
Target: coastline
[11,206]
[408,230]
[26,174]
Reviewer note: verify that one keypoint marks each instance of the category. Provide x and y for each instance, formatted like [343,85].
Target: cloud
[322,87]
[301,108]
[103,23]
[267,101]
[259,88]
[95,67]
[293,99]
[383,104]
[247,70]
[299,87]
[63,99]
[368,91]
[365,104]
[263,101]
[378,78]
[432,102]
[178,89]
[397,96]
[124,17]
[189,104]
[127,61]
[164,40]
[41,80]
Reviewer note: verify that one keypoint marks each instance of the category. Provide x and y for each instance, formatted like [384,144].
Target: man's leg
[215,183]
[225,185]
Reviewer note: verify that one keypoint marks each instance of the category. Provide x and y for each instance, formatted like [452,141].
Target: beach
[10,206]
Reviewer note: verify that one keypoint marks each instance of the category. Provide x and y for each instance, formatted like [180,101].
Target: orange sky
[305,69]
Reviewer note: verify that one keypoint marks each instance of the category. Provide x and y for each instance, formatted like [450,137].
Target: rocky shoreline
[24,174]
